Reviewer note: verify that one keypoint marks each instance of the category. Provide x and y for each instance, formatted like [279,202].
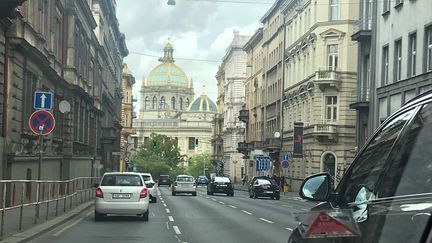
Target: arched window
[162,103]
[147,103]
[181,103]
[173,105]
[154,104]
[187,103]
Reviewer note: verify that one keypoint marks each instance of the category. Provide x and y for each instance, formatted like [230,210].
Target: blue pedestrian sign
[285,157]
[262,163]
[43,100]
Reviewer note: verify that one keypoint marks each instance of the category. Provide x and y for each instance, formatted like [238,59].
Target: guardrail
[22,194]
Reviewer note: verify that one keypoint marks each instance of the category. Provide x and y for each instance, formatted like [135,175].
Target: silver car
[184,184]
[151,186]
[122,193]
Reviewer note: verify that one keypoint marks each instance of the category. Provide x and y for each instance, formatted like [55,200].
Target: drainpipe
[5,97]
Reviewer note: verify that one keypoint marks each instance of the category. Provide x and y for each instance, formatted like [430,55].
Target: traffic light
[9,8]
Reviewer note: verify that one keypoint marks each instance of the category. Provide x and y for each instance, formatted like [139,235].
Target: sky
[198,29]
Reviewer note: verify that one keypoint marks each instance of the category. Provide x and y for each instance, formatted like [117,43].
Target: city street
[185,218]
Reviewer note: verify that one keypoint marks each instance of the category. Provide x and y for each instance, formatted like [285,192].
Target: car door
[359,187]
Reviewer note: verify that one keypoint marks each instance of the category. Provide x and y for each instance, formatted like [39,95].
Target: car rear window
[266,182]
[185,179]
[222,179]
[146,177]
[121,180]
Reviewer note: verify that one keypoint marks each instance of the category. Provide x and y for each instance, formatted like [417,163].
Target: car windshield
[205,117]
[121,180]
[185,179]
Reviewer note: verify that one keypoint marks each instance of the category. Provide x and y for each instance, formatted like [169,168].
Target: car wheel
[277,197]
[194,194]
[145,216]
[154,199]
[250,195]
[173,193]
[255,195]
[208,193]
[232,194]
[98,216]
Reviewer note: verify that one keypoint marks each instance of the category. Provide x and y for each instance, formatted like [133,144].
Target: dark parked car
[264,188]
[164,180]
[388,186]
[202,180]
[220,185]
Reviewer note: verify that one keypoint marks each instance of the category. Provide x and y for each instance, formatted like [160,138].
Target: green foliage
[160,155]
[196,165]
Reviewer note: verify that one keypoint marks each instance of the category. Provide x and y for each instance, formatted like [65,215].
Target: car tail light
[144,193]
[261,187]
[99,193]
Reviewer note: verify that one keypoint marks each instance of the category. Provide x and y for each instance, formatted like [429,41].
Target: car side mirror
[316,187]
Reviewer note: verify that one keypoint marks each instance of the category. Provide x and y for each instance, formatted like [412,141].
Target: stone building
[53,47]
[127,143]
[232,74]
[319,84]
[167,107]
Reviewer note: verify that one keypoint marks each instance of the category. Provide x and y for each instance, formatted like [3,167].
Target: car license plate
[268,192]
[121,195]
[223,185]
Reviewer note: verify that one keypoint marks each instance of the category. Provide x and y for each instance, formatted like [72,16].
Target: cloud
[197,29]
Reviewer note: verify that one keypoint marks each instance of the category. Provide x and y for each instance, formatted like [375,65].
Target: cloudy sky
[198,29]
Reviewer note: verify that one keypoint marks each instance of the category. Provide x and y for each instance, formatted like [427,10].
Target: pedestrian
[244,179]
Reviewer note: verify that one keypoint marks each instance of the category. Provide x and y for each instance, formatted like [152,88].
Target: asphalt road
[185,218]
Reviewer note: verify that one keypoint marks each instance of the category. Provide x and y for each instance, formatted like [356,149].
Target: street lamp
[171,2]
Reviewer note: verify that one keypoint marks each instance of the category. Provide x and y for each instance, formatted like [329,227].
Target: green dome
[203,104]
[167,73]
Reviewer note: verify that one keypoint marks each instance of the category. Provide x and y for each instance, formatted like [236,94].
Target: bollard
[37,202]
[64,197]
[48,201]
[57,201]
[3,211]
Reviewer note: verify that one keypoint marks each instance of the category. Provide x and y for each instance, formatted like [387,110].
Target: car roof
[146,174]
[184,176]
[121,173]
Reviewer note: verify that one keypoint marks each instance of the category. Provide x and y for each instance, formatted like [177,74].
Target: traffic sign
[285,157]
[41,122]
[285,164]
[326,225]
[43,100]
[262,163]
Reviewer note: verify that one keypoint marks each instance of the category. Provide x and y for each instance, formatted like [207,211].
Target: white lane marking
[246,212]
[176,229]
[72,224]
[208,197]
[232,206]
[164,205]
[266,220]
[167,225]
[153,215]
[304,209]
[167,210]
[213,199]
[221,202]
[289,229]
[171,218]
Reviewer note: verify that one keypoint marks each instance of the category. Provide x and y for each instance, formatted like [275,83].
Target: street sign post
[285,164]
[43,100]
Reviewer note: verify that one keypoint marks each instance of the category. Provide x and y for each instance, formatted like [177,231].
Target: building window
[386,6]
[412,54]
[126,122]
[147,103]
[173,103]
[332,57]
[154,103]
[397,66]
[331,108]
[162,103]
[187,103]
[397,2]
[385,65]
[191,143]
[30,84]
[334,9]
[181,103]
[428,37]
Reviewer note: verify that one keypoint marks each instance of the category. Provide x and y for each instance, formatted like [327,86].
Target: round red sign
[41,122]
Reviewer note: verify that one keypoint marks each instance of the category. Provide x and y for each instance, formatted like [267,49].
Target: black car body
[220,185]
[388,186]
[164,180]
[264,188]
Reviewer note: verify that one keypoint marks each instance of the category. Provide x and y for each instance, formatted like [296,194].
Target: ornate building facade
[54,47]
[127,115]
[167,107]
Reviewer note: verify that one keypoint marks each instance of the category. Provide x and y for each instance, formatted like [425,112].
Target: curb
[47,226]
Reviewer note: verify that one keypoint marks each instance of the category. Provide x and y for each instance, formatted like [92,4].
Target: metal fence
[20,195]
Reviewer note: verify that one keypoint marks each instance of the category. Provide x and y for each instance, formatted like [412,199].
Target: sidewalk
[12,217]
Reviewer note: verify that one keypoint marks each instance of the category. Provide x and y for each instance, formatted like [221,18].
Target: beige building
[127,115]
[167,107]
[253,112]
[320,83]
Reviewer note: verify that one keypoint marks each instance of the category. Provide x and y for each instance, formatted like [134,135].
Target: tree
[159,155]
[196,165]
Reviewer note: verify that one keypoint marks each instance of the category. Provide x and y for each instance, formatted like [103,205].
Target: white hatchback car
[184,184]
[151,186]
[122,193]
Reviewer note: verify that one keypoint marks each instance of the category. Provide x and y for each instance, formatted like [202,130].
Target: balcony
[244,116]
[362,99]
[327,79]
[364,31]
[326,132]
[243,147]
[273,144]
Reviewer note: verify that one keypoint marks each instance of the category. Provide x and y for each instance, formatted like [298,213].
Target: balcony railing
[244,115]
[327,78]
[325,132]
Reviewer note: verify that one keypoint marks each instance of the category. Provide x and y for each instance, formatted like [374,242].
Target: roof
[203,104]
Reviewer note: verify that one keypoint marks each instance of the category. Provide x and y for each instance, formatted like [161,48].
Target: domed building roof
[203,104]
[167,73]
